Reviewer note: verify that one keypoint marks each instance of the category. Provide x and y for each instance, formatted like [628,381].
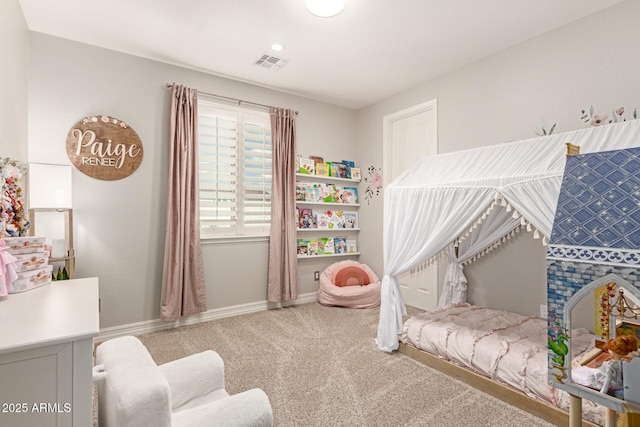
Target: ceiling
[372,50]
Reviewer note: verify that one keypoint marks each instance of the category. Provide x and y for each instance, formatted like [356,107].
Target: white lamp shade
[325,8]
[49,186]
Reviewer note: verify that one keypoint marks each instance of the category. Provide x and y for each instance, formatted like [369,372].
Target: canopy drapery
[440,199]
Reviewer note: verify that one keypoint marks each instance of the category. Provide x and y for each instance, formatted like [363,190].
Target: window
[235,170]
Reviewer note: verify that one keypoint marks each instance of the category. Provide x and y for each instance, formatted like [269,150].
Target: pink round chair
[349,284]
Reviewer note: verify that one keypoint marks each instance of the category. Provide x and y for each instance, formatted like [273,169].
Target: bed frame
[547,412]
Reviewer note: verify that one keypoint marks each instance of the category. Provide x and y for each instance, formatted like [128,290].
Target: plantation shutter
[257,175]
[235,171]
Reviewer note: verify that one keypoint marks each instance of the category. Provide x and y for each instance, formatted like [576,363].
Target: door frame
[431,275]
[387,132]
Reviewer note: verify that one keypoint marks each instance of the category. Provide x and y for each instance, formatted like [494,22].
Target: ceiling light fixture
[325,8]
[277,47]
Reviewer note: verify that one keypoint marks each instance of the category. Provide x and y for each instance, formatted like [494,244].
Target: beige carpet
[320,367]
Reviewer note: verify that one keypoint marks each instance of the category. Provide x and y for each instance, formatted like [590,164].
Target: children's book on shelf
[348,195]
[307,166]
[312,247]
[322,220]
[336,219]
[320,247]
[313,193]
[301,191]
[329,193]
[303,246]
[306,218]
[352,246]
[351,220]
[356,174]
[317,160]
[338,170]
[328,245]
[349,164]
[322,169]
[340,245]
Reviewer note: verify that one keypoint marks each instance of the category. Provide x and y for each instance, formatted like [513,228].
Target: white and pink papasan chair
[349,284]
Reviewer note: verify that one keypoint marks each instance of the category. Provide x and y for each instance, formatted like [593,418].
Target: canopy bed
[464,204]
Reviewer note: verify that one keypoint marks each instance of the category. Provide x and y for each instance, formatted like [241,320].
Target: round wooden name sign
[104,148]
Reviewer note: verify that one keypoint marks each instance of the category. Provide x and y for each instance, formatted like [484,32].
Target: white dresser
[46,354]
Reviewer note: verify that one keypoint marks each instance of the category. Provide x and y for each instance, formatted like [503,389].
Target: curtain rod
[228,98]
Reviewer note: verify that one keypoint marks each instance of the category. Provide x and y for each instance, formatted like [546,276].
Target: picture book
[322,169]
[320,249]
[352,246]
[312,193]
[340,245]
[301,189]
[349,164]
[312,247]
[336,219]
[322,220]
[338,170]
[348,195]
[351,220]
[302,246]
[317,159]
[307,166]
[329,193]
[306,218]
[327,245]
[356,174]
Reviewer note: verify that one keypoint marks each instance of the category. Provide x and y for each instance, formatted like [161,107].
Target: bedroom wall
[14,48]
[509,96]
[119,225]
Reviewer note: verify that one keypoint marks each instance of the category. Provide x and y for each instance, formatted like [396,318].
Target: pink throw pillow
[351,276]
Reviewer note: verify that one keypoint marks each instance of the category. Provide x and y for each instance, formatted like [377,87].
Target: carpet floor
[320,367]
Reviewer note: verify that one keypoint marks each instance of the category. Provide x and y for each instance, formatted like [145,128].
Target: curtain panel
[283,258]
[183,288]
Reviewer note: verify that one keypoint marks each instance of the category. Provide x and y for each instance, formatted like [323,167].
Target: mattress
[507,347]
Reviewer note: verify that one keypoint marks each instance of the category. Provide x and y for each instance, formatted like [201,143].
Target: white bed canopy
[450,199]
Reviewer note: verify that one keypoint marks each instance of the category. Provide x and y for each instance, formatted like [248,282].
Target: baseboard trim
[214,314]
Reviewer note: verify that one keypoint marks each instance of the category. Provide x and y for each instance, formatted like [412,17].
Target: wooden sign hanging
[103,147]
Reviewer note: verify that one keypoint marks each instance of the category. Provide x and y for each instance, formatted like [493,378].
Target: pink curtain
[183,291]
[283,262]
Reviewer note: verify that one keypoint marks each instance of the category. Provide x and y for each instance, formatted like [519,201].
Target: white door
[408,136]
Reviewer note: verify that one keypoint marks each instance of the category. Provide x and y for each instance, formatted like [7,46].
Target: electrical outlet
[543,311]
[316,275]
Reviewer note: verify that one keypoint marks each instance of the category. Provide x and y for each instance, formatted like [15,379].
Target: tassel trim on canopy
[498,200]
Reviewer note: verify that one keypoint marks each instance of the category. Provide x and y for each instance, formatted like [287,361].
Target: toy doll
[609,376]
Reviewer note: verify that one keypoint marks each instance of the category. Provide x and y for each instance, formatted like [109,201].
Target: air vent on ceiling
[271,62]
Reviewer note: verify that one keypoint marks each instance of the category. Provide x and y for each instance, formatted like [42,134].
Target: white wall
[119,225]
[14,48]
[507,97]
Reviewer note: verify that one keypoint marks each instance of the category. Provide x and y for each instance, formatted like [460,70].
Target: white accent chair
[133,391]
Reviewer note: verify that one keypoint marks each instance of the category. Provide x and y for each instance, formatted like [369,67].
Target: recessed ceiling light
[325,8]
[277,47]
